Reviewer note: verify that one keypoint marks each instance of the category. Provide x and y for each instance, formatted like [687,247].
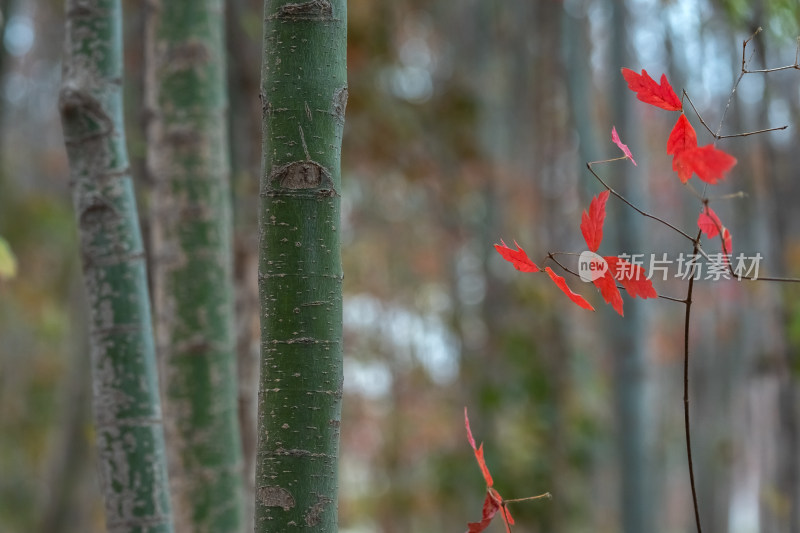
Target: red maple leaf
[562,284]
[621,145]
[592,222]
[727,241]
[478,453]
[632,277]
[682,138]
[709,163]
[490,508]
[709,222]
[649,92]
[517,257]
[493,501]
[609,291]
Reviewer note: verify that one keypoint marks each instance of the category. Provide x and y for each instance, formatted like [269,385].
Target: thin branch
[795,66]
[744,47]
[725,251]
[643,213]
[731,196]
[552,255]
[688,303]
[716,135]
[539,497]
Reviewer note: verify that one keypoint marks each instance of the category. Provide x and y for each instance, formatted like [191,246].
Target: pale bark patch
[313,516]
[301,175]
[339,103]
[275,497]
[314,10]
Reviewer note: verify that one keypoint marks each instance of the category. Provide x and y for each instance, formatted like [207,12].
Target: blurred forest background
[468,121]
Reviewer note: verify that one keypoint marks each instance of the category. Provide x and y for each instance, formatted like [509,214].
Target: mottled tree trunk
[304,93]
[130,439]
[192,261]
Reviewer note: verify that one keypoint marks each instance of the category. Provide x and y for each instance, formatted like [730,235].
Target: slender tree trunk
[192,261]
[130,438]
[244,81]
[304,93]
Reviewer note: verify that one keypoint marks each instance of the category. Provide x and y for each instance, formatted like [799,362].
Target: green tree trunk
[192,261]
[303,95]
[130,440]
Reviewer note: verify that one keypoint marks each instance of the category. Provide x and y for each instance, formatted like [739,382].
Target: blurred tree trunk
[133,468]
[243,33]
[303,96]
[65,506]
[780,485]
[192,260]
[629,336]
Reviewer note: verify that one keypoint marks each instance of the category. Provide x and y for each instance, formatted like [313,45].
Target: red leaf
[709,222]
[576,298]
[707,162]
[592,222]
[478,452]
[728,241]
[682,138]
[623,147]
[632,277]
[517,257]
[609,291]
[649,92]
[490,508]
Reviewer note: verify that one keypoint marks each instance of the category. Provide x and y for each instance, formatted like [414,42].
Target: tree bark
[304,94]
[192,261]
[127,413]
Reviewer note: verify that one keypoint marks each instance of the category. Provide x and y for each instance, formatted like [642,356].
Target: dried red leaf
[709,222]
[576,298]
[632,277]
[682,138]
[621,145]
[478,452]
[592,222]
[649,92]
[517,257]
[609,291]
[709,163]
[490,508]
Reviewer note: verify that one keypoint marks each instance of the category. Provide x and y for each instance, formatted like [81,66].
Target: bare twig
[795,66]
[643,213]
[539,497]
[716,134]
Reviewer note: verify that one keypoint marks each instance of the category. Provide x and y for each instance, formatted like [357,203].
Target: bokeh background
[468,121]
